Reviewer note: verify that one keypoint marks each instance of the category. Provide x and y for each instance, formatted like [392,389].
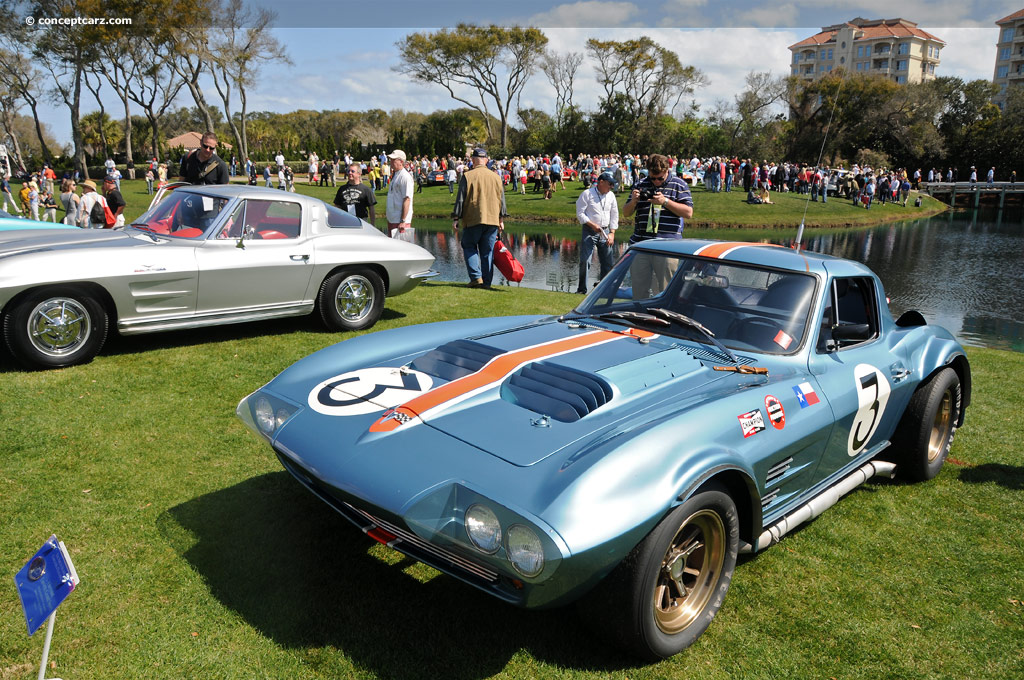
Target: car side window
[850,316]
[233,227]
[271,220]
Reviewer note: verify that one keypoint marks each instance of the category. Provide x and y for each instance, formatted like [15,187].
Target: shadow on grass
[118,345]
[1007,476]
[307,579]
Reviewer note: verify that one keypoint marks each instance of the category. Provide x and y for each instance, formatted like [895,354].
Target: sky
[343,53]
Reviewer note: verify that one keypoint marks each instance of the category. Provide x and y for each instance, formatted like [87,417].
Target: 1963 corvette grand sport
[200,257]
[703,400]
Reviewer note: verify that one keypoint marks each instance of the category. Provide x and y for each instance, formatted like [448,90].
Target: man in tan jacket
[480,205]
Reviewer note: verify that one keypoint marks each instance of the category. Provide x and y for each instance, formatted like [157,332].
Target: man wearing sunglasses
[662,203]
[204,166]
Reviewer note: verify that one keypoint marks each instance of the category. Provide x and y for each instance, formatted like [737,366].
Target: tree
[495,62]
[99,130]
[649,76]
[560,70]
[239,46]
[753,108]
[18,79]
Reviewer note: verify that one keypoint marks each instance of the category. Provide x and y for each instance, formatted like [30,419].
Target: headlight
[483,528]
[525,551]
[265,415]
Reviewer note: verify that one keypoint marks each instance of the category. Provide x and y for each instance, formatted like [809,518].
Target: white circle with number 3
[872,396]
[367,390]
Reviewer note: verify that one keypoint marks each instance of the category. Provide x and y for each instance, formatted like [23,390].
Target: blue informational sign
[44,582]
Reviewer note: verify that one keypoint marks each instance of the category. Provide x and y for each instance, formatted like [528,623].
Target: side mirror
[247,232]
[856,332]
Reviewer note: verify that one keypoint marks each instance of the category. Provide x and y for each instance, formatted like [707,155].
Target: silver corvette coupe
[201,256]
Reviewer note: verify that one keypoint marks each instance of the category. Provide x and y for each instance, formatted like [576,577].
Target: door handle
[899,374]
[299,258]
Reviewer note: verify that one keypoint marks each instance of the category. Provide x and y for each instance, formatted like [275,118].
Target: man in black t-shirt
[355,197]
[204,166]
[115,201]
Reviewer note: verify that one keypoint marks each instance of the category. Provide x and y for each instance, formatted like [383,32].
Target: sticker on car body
[805,394]
[367,390]
[776,414]
[872,396]
[751,422]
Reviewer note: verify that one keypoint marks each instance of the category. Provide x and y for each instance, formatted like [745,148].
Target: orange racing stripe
[720,250]
[493,372]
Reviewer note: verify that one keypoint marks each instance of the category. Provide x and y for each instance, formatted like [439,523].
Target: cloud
[594,13]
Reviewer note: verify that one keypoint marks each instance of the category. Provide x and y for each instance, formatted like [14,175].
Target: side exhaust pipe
[820,503]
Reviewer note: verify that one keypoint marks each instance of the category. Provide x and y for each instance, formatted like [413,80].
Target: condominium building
[1009,70]
[894,48]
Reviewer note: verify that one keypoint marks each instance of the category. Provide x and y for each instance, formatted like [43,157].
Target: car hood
[520,394]
[13,242]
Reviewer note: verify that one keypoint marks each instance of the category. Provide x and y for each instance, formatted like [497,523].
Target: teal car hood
[521,395]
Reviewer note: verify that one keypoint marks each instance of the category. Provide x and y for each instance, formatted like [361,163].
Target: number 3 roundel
[872,396]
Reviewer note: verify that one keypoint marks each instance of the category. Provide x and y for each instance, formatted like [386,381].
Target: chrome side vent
[455,359]
[778,470]
[558,392]
[769,499]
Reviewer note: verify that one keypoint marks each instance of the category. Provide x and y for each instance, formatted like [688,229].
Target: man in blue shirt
[662,203]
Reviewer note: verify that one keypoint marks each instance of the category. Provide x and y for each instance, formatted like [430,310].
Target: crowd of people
[659,200]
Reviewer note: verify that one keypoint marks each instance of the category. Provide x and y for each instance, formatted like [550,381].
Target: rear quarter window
[341,219]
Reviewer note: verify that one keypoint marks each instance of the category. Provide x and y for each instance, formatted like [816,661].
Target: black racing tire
[56,327]
[351,299]
[666,592]
[925,433]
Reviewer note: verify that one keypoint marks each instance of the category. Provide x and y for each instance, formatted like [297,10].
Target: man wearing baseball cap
[399,205]
[480,205]
[598,212]
[114,198]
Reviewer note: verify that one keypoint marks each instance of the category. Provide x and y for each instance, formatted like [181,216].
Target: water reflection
[963,270]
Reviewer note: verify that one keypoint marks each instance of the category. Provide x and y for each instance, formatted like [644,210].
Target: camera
[646,194]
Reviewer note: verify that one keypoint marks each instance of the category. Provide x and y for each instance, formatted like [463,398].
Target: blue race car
[703,400]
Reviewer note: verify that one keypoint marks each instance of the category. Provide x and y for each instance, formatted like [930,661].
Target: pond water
[963,269]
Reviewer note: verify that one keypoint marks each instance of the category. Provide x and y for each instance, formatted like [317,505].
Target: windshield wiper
[619,316]
[669,315]
[143,227]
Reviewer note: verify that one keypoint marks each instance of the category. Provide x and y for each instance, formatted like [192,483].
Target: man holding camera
[662,203]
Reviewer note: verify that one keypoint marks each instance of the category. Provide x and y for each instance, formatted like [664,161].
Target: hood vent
[561,393]
[455,359]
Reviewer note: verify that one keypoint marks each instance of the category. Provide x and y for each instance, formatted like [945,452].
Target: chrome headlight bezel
[264,413]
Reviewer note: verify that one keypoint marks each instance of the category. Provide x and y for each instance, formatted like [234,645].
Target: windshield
[183,214]
[745,307]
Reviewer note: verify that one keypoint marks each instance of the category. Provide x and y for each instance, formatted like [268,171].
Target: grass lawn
[710,210]
[201,558]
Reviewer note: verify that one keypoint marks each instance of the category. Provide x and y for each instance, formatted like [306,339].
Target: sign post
[43,584]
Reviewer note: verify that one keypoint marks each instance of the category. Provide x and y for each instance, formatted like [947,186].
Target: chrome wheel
[690,571]
[942,425]
[59,326]
[354,298]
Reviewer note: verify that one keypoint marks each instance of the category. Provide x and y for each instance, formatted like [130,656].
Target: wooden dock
[975,191]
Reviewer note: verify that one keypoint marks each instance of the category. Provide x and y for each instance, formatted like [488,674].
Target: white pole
[46,645]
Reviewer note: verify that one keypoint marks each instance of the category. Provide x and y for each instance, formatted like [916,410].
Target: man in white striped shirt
[598,213]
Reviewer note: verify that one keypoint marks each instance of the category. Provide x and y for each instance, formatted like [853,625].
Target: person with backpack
[91,214]
[204,166]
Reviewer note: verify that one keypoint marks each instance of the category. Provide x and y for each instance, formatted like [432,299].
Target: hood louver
[561,393]
[455,359]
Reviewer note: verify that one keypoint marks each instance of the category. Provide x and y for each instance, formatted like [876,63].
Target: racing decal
[872,396]
[751,422]
[776,414]
[805,394]
[783,340]
[720,250]
[367,390]
[492,373]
